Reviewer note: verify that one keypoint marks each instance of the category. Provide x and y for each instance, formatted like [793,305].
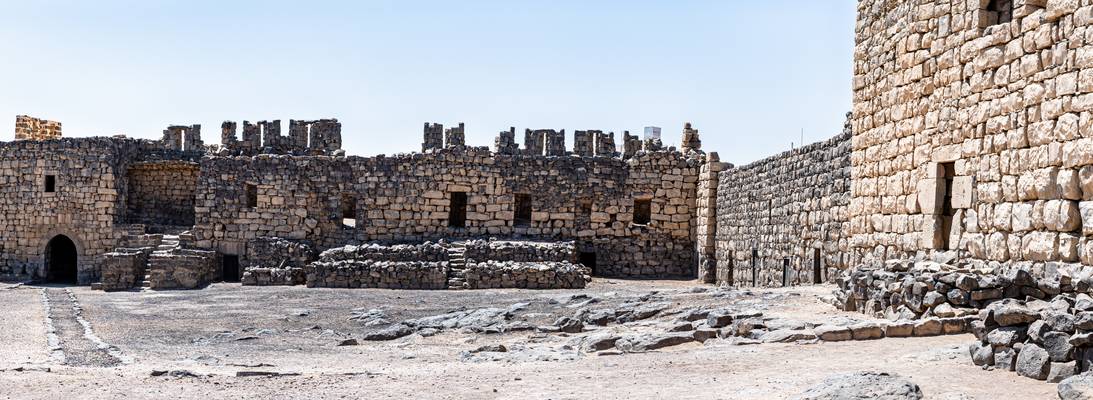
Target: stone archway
[61,260]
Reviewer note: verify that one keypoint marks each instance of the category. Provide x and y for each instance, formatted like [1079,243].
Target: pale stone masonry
[30,128]
[973,134]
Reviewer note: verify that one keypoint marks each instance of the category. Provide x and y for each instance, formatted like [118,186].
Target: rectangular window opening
[457,210]
[251,195]
[522,215]
[51,183]
[643,210]
[1001,11]
[348,210]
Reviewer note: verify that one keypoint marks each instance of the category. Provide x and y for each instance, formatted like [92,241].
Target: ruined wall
[30,128]
[408,197]
[973,138]
[317,137]
[162,192]
[792,208]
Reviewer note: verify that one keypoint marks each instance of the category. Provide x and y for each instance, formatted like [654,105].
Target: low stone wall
[520,251]
[287,276]
[526,275]
[276,261]
[377,274]
[123,269]
[185,269]
[428,251]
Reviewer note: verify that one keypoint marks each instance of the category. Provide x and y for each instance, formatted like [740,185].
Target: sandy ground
[217,332]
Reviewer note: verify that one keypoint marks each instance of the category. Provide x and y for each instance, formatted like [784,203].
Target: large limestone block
[931,195]
[963,192]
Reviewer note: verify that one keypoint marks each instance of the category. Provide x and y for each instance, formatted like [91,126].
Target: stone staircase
[168,244]
[457,265]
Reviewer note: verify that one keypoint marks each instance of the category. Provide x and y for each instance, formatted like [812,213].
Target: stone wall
[399,266]
[162,192]
[183,269]
[407,198]
[276,261]
[520,251]
[784,214]
[123,269]
[30,128]
[318,137]
[526,275]
[971,136]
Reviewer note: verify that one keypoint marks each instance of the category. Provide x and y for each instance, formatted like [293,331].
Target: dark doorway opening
[230,268]
[785,271]
[457,212]
[947,211]
[588,259]
[816,269]
[754,266]
[522,216]
[61,260]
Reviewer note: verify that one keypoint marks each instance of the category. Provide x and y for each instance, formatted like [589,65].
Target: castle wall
[973,139]
[786,210]
[84,204]
[162,193]
[408,198]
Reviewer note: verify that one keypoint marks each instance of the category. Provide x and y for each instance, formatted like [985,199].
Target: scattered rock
[348,342]
[787,335]
[863,385]
[1077,387]
[389,333]
[833,333]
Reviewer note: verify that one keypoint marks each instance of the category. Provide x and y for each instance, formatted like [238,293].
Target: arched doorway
[61,260]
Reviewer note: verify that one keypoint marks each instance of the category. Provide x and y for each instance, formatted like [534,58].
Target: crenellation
[30,128]
[505,143]
[554,143]
[583,143]
[454,136]
[434,137]
[605,144]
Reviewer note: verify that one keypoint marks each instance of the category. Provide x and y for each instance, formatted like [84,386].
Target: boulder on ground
[1077,387]
[1033,362]
[863,385]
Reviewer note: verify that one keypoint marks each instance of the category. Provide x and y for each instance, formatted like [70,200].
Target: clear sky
[750,75]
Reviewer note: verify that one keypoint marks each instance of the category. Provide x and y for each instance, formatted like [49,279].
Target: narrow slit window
[251,195]
[643,210]
[457,212]
[51,184]
[348,210]
[522,215]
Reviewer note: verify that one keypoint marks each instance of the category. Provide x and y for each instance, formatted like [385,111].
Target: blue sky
[750,75]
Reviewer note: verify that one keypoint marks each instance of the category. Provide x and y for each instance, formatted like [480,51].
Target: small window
[51,183]
[522,217]
[251,194]
[586,207]
[348,210]
[643,210]
[457,210]
[1001,11]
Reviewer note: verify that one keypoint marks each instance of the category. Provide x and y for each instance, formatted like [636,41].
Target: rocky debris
[787,336]
[479,320]
[599,342]
[863,386]
[1077,387]
[526,275]
[569,325]
[348,342]
[248,374]
[1033,362]
[369,317]
[1062,371]
[637,311]
[833,333]
[647,342]
[176,373]
[719,318]
[389,333]
[491,348]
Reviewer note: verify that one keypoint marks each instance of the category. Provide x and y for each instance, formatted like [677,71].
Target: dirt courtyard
[229,341]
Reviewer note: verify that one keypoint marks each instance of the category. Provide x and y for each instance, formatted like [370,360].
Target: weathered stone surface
[863,385]
[833,333]
[1033,362]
